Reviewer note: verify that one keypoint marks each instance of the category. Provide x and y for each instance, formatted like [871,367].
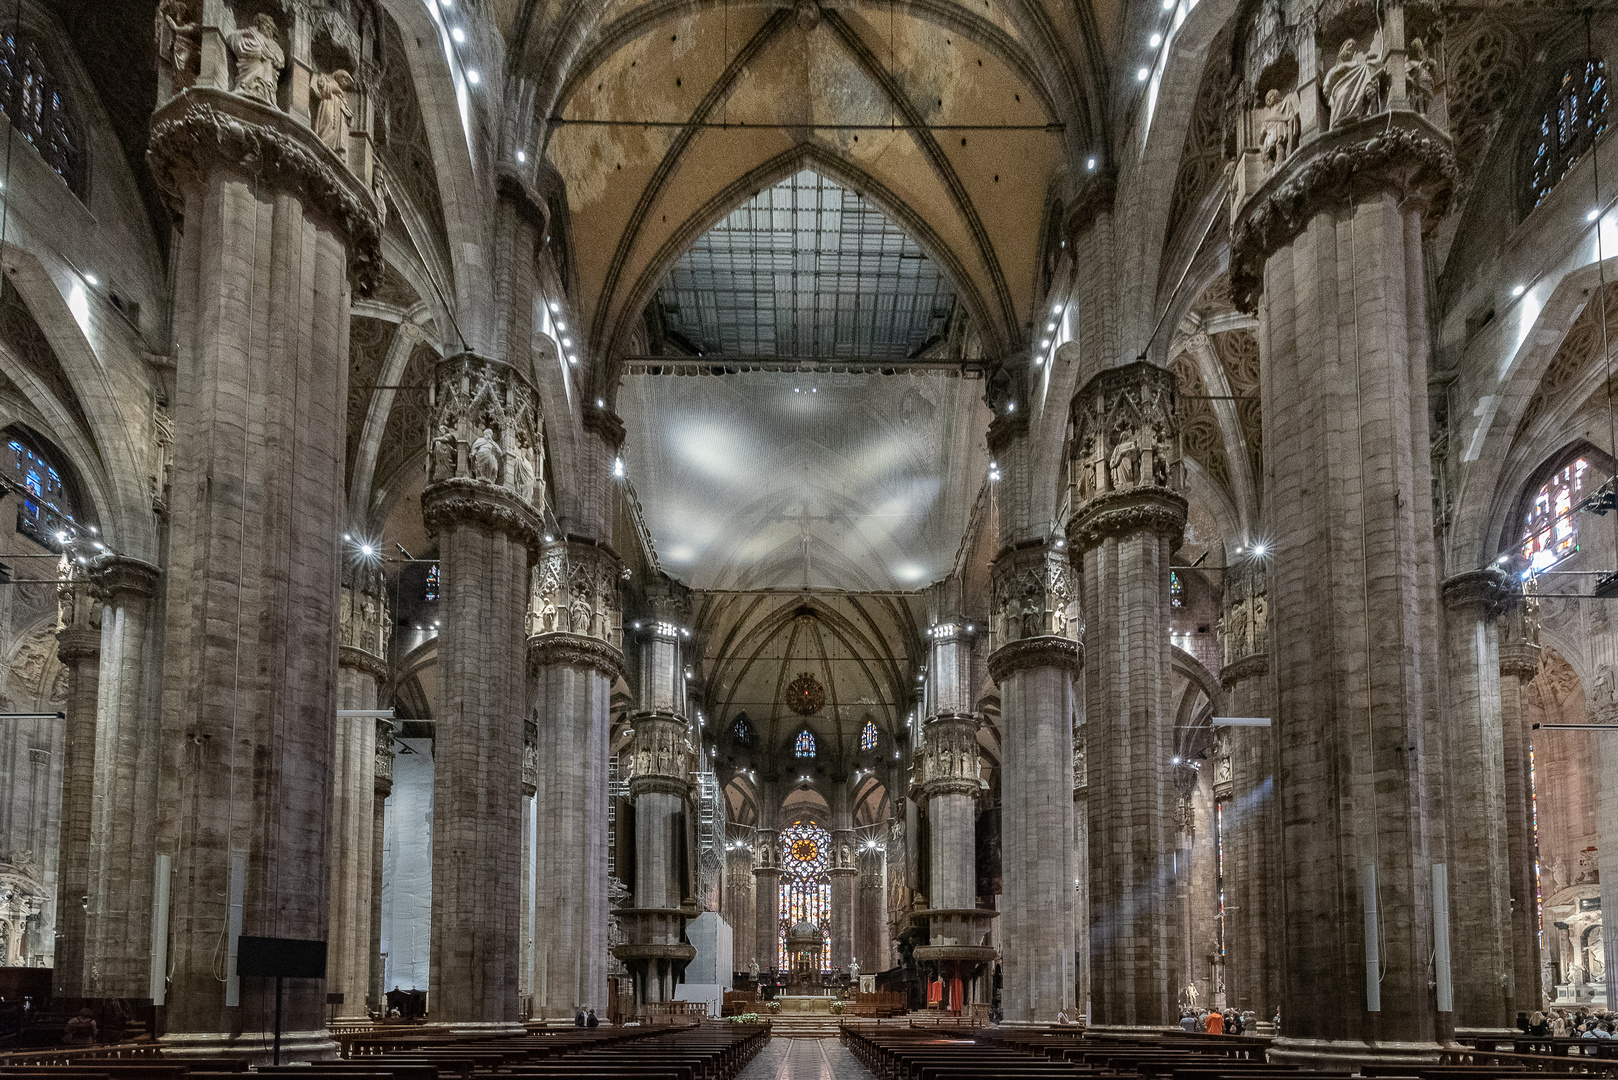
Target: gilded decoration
[805,696]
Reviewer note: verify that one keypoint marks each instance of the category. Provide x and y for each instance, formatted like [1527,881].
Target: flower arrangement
[837,1008]
[773,1005]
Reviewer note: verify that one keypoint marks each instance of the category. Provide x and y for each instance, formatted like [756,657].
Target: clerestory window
[1568,126]
[31,95]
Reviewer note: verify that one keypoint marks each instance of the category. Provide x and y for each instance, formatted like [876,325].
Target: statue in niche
[579,615]
[1259,636]
[547,613]
[259,60]
[1279,135]
[1238,631]
[1605,691]
[334,116]
[1123,462]
[443,454]
[1352,85]
[522,470]
[486,458]
[1081,774]
[1421,76]
[1559,873]
[177,39]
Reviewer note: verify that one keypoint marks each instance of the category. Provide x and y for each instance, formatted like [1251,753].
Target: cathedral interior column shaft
[78,647]
[382,783]
[261,314]
[1128,525]
[1519,663]
[1352,592]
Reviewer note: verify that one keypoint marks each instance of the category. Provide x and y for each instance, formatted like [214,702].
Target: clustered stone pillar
[662,762]
[1519,663]
[1479,871]
[124,807]
[78,648]
[362,649]
[481,504]
[1334,240]
[844,877]
[767,878]
[574,656]
[382,780]
[278,232]
[1081,869]
[1244,783]
[1035,661]
[1128,524]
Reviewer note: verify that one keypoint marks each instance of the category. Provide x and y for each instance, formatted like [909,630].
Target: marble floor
[804,1059]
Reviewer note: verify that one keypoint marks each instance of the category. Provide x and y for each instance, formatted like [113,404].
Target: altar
[805,1004]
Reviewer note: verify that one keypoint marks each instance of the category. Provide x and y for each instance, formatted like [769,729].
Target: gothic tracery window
[805,886]
[1551,529]
[742,731]
[805,746]
[32,97]
[868,736]
[1568,127]
[46,514]
[432,583]
[1176,589]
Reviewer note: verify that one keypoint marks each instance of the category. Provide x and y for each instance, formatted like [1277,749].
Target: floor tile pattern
[804,1059]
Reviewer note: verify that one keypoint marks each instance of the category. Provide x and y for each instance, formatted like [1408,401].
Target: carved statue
[1238,631]
[579,615]
[522,468]
[259,60]
[1351,86]
[177,38]
[1279,135]
[1589,870]
[1123,462]
[334,116]
[486,458]
[443,453]
[1421,76]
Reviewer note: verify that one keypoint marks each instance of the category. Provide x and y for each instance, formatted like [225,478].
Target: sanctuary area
[690,539]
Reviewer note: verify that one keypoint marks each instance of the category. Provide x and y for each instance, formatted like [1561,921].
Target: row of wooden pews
[689,1052]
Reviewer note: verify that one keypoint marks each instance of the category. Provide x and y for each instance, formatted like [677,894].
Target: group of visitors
[1217,1021]
[1580,1023]
[584,1017]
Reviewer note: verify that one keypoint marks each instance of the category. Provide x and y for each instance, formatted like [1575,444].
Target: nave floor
[804,1059]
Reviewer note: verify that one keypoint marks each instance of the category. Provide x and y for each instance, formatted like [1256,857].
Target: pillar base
[1336,1054]
[256,1045]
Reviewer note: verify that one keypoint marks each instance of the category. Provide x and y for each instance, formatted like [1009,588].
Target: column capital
[203,129]
[77,643]
[1122,513]
[1037,652]
[574,610]
[1126,461]
[118,577]
[485,439]
[1398,152]
[1480,591]
[472,502]
[949,755]
[1034,594]
[662,758]
[575,651]
[363,623]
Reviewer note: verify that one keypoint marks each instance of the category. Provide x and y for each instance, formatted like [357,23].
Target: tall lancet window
[1568,126]
[805,886]
[868,736]
[1550,527]
[805,746]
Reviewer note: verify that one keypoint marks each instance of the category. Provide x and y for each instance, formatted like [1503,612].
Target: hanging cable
[1601,301]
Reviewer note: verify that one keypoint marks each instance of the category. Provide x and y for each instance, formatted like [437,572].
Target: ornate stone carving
[1480,590]
[1081,766]
[1398,152]
[662,758]
[383,768]
[1034,653]
[530,757]
[1519,636]
[467,501]
[259,60]
[1278,129]
[1245,624]
[204,129]
[1034,596]
[1125,432]
[574,591]
[1353,85]
[364,624]
[486,427]
[115,577]
[334,116]
[950,760]
[574,650]
[178,35]
[1421,76]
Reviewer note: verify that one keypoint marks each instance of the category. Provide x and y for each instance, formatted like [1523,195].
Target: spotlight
[1156,40]
[521,157]
[555,307]
[458,35]
[1258,549]
[473,77]
[1140,75]
[600,404]
[91,279]
[618,467]
[1091,164]
[1592,215]
[1518,290]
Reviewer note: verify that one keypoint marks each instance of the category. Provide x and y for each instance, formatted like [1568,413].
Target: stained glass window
[1551,529]
[1568,127]
[1176,589]
[32,97]
[805,886]
[805,746]
[868,736]
[432,582]
[45,515]
[742,730]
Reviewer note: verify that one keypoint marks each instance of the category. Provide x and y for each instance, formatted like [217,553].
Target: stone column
[382,781]
[78,647]
[481,504]
[573,658]
[662,761]
[1245,783]
[1334,240]
[1081,870]
[767,878]
[279,232]
[1128,524]
[844,878]
[124,805]
[362,635]
[1475,803]
[1035,660]
[1519,663]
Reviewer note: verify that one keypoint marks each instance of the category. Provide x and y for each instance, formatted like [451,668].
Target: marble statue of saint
[1123,464]
[1238,631]
[1421,76]
[259,60]
[177,37]
[334,116]
[486,458]
[523,473]
[1351,84]
[1279,136]
[443,453]
[854,970]
[547,613]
